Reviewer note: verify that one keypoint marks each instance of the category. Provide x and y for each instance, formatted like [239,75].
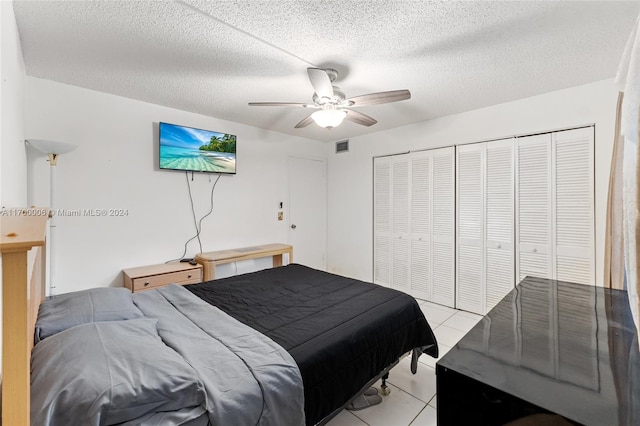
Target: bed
[338,334]
[341,332]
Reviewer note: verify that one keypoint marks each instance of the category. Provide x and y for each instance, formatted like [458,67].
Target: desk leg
[209,271]
[16,360]
[277,258]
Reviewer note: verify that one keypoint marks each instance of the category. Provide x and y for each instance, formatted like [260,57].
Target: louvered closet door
[420,266]
[470,230]
[382,221]
[574,205]
[499,217]
[400,241]
[443,229]
[534,222]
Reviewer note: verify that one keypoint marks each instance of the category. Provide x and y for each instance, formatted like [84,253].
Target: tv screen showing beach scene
[190,149]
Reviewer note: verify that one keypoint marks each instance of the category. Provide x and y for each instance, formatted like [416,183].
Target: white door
[574,202]
[414,222]
[400,237]
[534,210]
[499,226]
[470,271]
[382,221]
[443,226]
[485,224]
[555,231]
[307,211]
[420,266]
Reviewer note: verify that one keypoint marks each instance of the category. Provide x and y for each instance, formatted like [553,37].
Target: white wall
[350,174]
[13,165]
[13,189]
[115,167]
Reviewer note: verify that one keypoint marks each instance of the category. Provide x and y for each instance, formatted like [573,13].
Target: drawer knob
[146,283]
[189,276]
[535,250]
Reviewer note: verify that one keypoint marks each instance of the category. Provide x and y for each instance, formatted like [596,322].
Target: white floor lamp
[53,149]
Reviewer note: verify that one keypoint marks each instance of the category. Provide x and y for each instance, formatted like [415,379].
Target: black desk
[547,347]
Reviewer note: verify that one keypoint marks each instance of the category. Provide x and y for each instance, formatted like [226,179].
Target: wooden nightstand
[156,276]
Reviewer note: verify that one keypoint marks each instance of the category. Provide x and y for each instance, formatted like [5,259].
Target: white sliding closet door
[400,193]
[534,210]
[414,220]
[391,222]
[443,219]
[382,221]
[421,187]
[432,225]
[461,227]
[499,218]
[555,206]
[574,205]
[470,253]
[485,238]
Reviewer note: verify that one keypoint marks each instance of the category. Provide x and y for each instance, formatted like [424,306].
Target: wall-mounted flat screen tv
[190,149]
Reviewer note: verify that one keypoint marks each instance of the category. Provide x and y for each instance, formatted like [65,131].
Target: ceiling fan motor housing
[337,98]
[332,74]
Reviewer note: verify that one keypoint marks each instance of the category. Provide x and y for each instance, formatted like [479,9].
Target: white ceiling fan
[332,104]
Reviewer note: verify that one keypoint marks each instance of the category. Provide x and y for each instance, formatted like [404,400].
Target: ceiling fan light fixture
[329,118]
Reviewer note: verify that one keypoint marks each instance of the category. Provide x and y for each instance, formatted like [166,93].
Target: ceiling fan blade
[304,122]
[320,82]
[360,118]
[291,104]
[379,98]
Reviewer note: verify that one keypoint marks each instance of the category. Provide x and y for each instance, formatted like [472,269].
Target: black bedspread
[340,331]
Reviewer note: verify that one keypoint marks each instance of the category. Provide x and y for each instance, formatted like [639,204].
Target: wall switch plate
[280,215]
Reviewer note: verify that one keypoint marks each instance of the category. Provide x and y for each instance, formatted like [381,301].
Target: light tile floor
[412,400]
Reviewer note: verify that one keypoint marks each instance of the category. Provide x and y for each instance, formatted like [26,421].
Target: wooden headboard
[22,244]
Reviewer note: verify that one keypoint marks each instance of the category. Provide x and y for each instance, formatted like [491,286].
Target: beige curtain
[633,286]
[633,278]
[622,255]
[614,249]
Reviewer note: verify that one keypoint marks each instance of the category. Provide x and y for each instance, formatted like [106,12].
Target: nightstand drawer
[182,277]
[155,276]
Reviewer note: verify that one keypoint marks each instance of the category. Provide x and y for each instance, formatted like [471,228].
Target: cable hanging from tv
[197,223]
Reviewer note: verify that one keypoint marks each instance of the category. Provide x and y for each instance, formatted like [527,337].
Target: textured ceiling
[213,58]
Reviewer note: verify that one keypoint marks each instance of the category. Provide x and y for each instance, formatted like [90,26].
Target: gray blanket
[249,379]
